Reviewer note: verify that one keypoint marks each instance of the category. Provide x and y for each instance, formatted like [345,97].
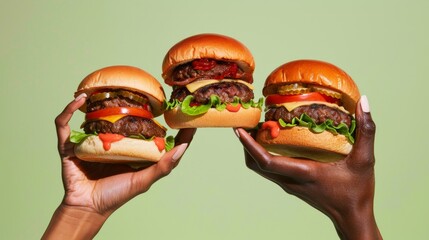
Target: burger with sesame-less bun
[211,76]
[310,108]
[119,123]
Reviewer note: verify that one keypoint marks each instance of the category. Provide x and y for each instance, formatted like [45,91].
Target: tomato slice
[233,108]
[312,96]
[138,112]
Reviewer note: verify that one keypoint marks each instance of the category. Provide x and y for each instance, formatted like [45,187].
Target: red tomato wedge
[233,108]
[312,96]
[160,143]
[138,112]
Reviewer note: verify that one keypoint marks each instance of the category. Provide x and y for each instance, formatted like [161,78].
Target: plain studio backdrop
[47,47]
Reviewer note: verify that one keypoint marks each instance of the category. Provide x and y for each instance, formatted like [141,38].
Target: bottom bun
[245,118]
[127,150]
[302,143]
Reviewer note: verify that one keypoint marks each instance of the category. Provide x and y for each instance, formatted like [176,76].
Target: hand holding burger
[93,190]
[310,106]
[342,190]
[119,122]
[212,78]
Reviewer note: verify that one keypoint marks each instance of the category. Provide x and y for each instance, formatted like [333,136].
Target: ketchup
[273,126]
[233,108]
[108,139]
[206,64]
[203,64]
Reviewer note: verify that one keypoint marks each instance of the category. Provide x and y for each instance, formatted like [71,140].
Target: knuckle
[57,119]
[368,128]
[265,164]
[165,170]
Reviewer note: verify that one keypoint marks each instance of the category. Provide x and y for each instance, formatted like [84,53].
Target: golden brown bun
[317,73]
[124,77]
[127,150]
[246,118]
[302,143]
[208,45]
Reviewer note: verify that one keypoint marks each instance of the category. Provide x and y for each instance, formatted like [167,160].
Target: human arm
[343,190]
[93,191]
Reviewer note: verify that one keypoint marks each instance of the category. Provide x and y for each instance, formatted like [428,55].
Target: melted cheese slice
[113,118]
[292,105]
[194,86]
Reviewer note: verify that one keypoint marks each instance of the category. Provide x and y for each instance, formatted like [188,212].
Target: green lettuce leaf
[78,137]
[214,102]
[305,121]
[169,143]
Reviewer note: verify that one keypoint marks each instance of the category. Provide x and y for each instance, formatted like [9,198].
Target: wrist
[357,224]
[70,222]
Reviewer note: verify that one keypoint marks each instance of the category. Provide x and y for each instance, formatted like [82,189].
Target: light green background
[47,47]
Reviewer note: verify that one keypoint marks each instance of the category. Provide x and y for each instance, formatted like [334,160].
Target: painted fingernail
[179,152]
[236,132]
[82,95]
[364,103]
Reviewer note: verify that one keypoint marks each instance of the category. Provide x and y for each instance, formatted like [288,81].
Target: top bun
[127,78]
[316,73]
[208,45]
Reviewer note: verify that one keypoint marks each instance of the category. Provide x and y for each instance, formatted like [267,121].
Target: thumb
[362,153]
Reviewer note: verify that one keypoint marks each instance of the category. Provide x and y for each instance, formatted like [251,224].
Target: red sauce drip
[273,126]
[194,104]
[108,139]
[160,143]
[232,108]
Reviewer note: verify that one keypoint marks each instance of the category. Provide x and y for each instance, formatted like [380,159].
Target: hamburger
[211,76]
[119,121]
[310,108]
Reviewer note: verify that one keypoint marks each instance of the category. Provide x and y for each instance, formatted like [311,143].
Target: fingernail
[179,152]
[236,132]
[364,103]
[82,95]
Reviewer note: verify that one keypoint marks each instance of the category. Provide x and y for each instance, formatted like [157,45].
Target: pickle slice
[293,89]
[120,93]
[327,92]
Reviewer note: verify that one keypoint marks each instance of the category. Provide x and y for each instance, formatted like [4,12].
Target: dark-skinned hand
[343,190]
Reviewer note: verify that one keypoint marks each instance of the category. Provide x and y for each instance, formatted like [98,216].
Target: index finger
[286,166]
[62,120]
